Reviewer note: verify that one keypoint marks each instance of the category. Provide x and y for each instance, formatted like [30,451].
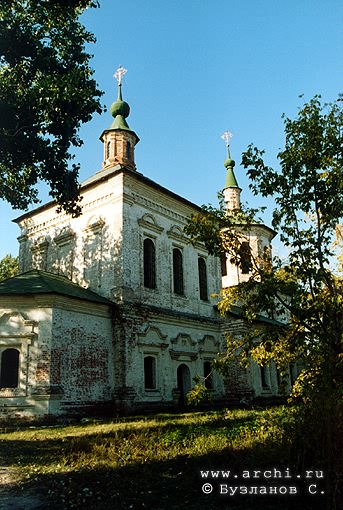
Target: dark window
[9,374]
[223,264]
[149,373]
[202,278]
[264,381]
[149,262]
[128,150]
[108,150]
[177,271]
[208,375]
[245,258]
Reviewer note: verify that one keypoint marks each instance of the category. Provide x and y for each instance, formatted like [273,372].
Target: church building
[112,311]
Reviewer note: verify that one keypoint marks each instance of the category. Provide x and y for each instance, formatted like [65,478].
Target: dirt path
[14,495]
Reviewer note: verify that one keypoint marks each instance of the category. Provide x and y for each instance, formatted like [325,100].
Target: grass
[152,462]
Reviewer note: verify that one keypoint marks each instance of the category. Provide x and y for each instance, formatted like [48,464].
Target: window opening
[149,262]
[128,150]
[9,374]
[202,278]
[178,271]
[263,371]
[223,264]
[149,373]
[245,257]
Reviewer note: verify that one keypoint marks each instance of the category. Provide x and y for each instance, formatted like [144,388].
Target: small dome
[229,162]
[120,107]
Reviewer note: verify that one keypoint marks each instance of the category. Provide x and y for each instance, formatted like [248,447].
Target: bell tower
[255,241]
[119,140]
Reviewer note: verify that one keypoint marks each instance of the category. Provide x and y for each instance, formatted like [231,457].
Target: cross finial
[227,137]
[118,75]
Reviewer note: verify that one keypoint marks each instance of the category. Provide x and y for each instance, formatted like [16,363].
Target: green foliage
[46,93]
[199,394]
[303,291]
[8,267]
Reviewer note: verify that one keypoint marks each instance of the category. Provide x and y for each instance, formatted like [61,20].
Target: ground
[14,495]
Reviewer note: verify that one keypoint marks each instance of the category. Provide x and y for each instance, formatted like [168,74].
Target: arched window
[245,258]
[149,373]
[202,278]
[9,371]
[149,262]
[208,375]
[177,271]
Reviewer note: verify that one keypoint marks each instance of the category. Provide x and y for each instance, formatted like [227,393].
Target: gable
[14,324]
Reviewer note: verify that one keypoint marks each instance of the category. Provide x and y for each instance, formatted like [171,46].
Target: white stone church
[112,311]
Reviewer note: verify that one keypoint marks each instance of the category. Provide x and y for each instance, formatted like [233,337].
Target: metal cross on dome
[227,137]
[119,74]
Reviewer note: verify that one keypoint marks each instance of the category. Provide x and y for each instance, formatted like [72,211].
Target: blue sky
[197,68]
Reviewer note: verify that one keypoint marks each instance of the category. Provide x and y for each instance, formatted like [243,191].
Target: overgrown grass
[153,462]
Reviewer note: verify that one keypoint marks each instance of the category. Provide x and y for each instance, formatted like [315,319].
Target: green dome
[119,111]
[229,162]
[120,108]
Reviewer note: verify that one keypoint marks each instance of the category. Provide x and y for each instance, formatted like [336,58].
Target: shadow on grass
[169,484]
[172,484]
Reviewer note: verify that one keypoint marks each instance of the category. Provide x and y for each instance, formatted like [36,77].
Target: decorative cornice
[176,355]
[151,224]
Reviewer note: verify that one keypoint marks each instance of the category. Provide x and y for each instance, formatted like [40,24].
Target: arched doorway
[183,383]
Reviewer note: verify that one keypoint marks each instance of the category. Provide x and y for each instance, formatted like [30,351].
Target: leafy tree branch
[46,93]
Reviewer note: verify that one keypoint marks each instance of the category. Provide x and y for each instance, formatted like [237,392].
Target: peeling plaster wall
[81,356]
[66,354]
[86,249]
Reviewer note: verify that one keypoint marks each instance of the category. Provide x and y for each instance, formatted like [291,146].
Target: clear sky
[197,68]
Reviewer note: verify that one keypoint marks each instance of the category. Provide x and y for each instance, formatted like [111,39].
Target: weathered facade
[114,309]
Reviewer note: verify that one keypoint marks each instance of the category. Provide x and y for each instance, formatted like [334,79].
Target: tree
[8,267]
[308,193]
[46,93]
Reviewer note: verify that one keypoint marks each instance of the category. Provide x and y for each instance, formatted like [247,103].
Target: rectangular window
[245,258]
[223,264]
[149,373]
